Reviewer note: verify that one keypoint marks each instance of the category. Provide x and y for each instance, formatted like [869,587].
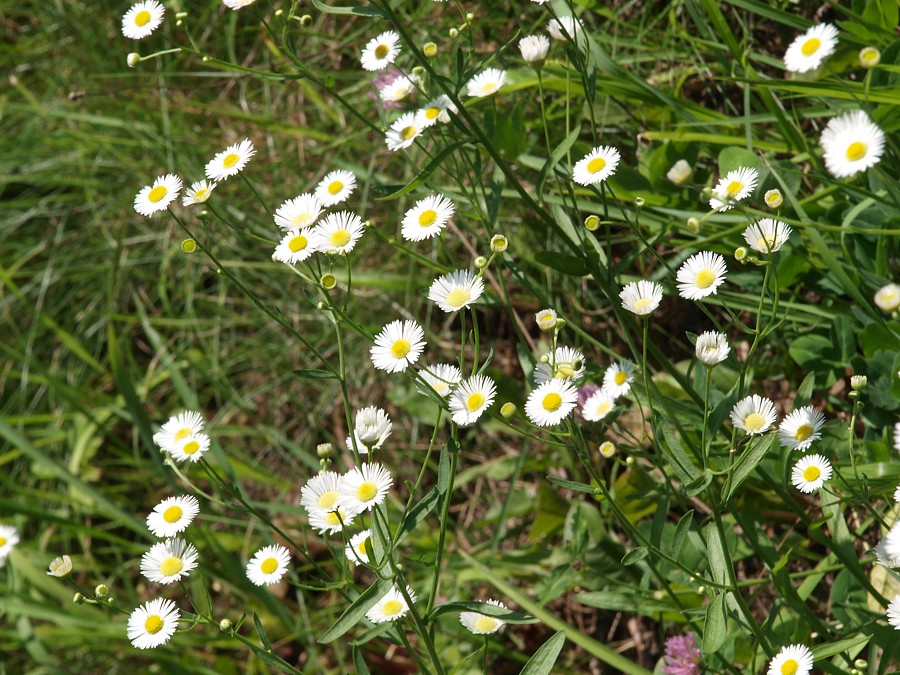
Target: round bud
[740,254]
[430,50]
[453,33]
[181,15]
[328,281]
[101,591]
[188,246]
[639,201]
[546,319]
[859,382]
[481,262]
[205,59]
[499,243]
[545,358]
[592,222]
[861,663]
[773,199]
[470,16]
[869,57]
[305,20]
[225,625]
[179,23]
[693,225]
[324,450]
[560,324]
[508,409]
[564,370]
[133,59]
[607,449]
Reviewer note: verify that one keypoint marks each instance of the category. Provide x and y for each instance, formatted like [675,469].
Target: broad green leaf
[715,628]
[572,485]
[314,374]
[485,608]
[635,555]
[417,514]
[423,175]
[543,660]
[359,11]
[675,454]
[805,391]
[732,158]
[681,532]
[357,610]
[748,461]
[562,262]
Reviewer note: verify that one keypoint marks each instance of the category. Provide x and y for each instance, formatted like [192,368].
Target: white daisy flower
[546,320]
[471,398]
[359,547]
[618,378]
[153,623]
[481,624]
[534,48]
[441,377]
[268,565]
[397,89]
[403,132]
[172,515]
[456,290]
[398,346]
[335,187]
[177,428]
[565,363]
[9,537]
[792,660]
[486,83]
[807,51]
[897,434]
[897,494]
[198,193]
[801,428]
[391,606]
[641,297]
[321,492]
[893,612]
[596,166]
[157,197]
[701,275]
[237,4]
[597,406]
[189,448]
[381,51]
[435,111]
[363,487]
[330,522]
[711,348]
[372,426]
[142,19]
[564,28]
[810,473]
[753,414]
[300,212]
[295,246]
[230,161]
[735,186]
[551,402]
[887,298]
[169,561]
[60,567]
[767,235]
[852,143]
[338,233]
[890,547]
[427,218]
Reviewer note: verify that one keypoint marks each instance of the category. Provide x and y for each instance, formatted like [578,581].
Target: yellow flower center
[475,401]
[366,492]
[142,18]
[642,305]
[811,46]
[191,448]
[596,165]
[856,151]
[459,297]
[811,473]
[334,187]
[754,422]
[160,191]
[620,378]
[489,88]
[432,112]
[400,348]
[297,243]
[790,667]
[327,500]
[153,624]
[603,408]
[734,187]
[363,549]
[392,608]
[773,199]
[268,566]
[200,195]
[230,160]
[427,218]
[381,51]
[765,243]
[705,278]
[3,541]
[803,432]
[172,514]
[302,219]
[340,238]
[171,566]
[184,432]
[408,132]
[486,624]
[564,371]
[552,401]
[333,518]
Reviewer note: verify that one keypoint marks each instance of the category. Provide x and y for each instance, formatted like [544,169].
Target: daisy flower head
[595,167]
[546,320]
[807,51]
[268,565]
[701,275]
[60,567]
[565,363]
[363,487]
[471,398]
[335,187]
[711,348]
[153,623]
[321,492]
[887,298]
[398,346]
[397,89]
[735,186]
[481,624]
[190,448]
[456,290]
[893,612]
[800,429]
[897,435]
[403,132]
[295,246]
[767,235]
[441,377]
[338,233]
[564,28]
[597,406]
[172,515]
[237,4]
[435,111]
[792,660]
[427,218]
[169,561]
[753,414]
[486,83]
[810,473]
[198,193]
[852,143]
[890,547]
[330,522]
[158,196]
[380,51]
[391,606]
[534,49]
[230,161]
[177,428]
[300,212]
[881,554]
[359,547]
[142,19]
[618,378]
[9,537]
[372,426]
[551,402]
[641,297]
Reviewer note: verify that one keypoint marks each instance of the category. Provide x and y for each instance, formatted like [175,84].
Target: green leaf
[555,157]
[562,262]
[314,374]
[749,460]
[543,660]
[616,601]
[261,631]
[572,485]
[810,349]
[732,158]
[715,552]
[443,482]
[418,513]
[358,662]
[357,610]
[485,608]
[424,173]
[714,631]
[681,532]
[805,390]
[675,454]
[635,555]
[839,647]
[358,11]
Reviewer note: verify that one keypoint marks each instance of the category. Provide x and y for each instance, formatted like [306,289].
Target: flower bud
[133,59]
[181,15]
[188,246]
[101,591]
[328,281]
[740,254]
[607,449]
[499,243]
[534,50]
[324,450]
[639,202]
[470,17]
[78,599]
[453,33]
[305,20]
[693,225]
[60,567]
[592,222]
[508,409]
[869,57]
[773,199]
[887,298]
[481,262]
[430,50]
[859,382]
[225,625]
[546,320]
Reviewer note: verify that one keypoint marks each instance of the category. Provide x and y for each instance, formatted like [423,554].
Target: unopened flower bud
[693,225]
[328,281]
[324,450]
[887,298]
[546,319]
[869,57]
[469,16]
[188,246]
[859,382]
[133,59]
[453,33]
[181,15]
[225,625]
[430,50]
[101,591]
[607,449]
[639,202]
[740,254]
[564,371]
[861,663]
[499,243]
[78,599]
[592,222]
[481,262]
[560,324]
[305,20]
[508,409]
[773,199]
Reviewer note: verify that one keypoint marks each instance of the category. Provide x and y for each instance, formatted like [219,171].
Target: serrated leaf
[543,660]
